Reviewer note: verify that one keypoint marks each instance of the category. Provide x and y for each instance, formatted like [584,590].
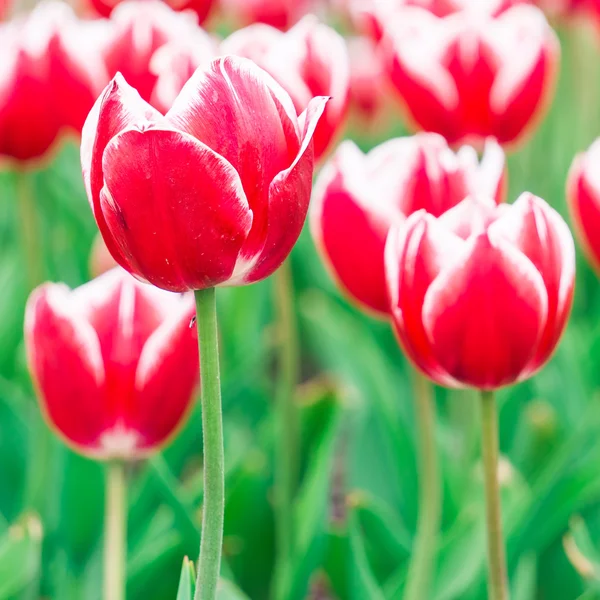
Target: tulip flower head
[583,198]
[281,14]
[216,191]
[470,75]
[138,30]
[115,363]
[50,79]
[309,60]
[358,197]
[481,295]
[202,8]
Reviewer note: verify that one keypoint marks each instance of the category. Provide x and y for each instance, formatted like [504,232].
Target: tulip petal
[485,313]
[415,253]
[540,233]
[118,107]
[176,210]
[241,113]
[65,360]
[166,377]
[289,196]
[471,216]
[349,232]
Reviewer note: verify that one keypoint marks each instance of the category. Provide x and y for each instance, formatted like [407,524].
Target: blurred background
[356,506]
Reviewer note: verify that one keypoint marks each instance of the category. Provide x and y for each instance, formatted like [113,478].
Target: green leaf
[20,553]
[187,581]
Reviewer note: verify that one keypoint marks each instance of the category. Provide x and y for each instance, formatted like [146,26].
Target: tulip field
[300,300]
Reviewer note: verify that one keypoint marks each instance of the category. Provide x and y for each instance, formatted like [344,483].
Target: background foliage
[356,509]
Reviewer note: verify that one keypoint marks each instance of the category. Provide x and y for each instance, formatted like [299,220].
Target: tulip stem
[30,230]
[430,495]
[211,539]
[497,585]
[286,423]
[115,531]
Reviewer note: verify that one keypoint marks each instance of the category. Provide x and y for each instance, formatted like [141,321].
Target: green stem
[497,586]
[211,540]
[286,423]
[30,231]
[430,495]
[115,531]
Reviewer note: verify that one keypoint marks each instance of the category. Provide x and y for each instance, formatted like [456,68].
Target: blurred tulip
[480,296]
[281,14]
[358,197]
[583,198]
[51,76]
[309,60]
[469,75]
[215,192]
[5,6]
[139,29]
[115,363]
[202,8]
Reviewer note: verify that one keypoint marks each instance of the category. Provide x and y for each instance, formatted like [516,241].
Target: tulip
[358,197]
[5,6]
[281,14]
[309,60]
[202,8]
[114,362]
[480,296]
[137,32]
[51,77]
[583,198]
[213,193]
[471,75]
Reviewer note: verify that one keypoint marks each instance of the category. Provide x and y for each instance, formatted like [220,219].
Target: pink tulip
[281,14]
[480,296]
[358,197]
[115,363]
[213,193]
[470,75]
[51,75]
[309,60]
[202,8]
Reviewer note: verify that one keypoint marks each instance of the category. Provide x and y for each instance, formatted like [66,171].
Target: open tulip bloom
[480,297]
[214,192]
[472,75]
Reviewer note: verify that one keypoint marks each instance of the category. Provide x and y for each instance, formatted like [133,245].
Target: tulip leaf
[187,581]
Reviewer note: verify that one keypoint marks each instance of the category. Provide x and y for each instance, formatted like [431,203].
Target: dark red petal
[415,252]
[485,313]
[166,378]
[349,231]
[66,364]
[118,108]
[289,196]
[175,209]
[540,233]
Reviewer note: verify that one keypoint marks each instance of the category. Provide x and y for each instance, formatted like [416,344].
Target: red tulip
[138,31]
[469,75]
[213,193]
[5,6]
[115,363]
[358,198]
[202,8]
[480,296]
[583,197]
[281,14]
[50,78]
[309,60]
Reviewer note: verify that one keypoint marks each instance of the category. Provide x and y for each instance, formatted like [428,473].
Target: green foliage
[355,511]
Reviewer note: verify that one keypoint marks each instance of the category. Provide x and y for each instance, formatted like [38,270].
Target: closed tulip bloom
[583,197]
[115,363]
[202,8]
[480,296]
[138,31]
[50,78]
[358,197]
[309,60]
[471,75]
[213,193]
[281,14]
